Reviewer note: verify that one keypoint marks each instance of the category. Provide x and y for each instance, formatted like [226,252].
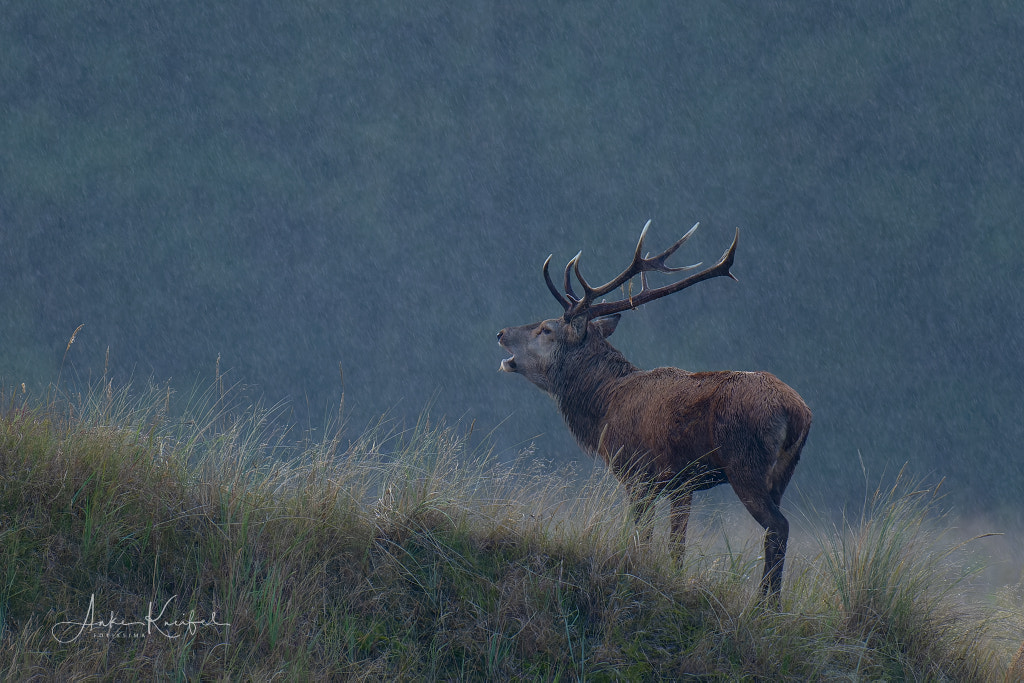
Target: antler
[575,306]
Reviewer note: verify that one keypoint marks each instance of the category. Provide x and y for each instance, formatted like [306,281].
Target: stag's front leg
[641,503]
[680,516]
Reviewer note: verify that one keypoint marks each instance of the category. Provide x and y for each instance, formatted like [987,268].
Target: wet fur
[669,431]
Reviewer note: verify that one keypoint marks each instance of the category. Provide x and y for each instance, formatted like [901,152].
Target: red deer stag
[665,431]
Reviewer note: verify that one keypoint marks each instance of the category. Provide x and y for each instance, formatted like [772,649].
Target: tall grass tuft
[896,583]
[415,553]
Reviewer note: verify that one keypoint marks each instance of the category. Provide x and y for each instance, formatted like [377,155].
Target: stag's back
[669,421]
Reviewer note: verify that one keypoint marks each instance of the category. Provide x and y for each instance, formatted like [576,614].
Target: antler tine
[567,280]
[637,265]
[658,262]
[551,285]
[647,295]
[640,243]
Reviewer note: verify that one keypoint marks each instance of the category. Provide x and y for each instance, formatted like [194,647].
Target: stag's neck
[583,391]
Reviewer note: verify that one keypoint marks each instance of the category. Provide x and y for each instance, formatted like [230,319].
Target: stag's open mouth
[507,364]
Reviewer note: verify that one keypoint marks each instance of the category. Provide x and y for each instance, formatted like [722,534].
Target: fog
[290,187]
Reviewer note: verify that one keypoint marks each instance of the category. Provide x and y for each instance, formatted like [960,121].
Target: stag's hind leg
[788,457]
[760,504]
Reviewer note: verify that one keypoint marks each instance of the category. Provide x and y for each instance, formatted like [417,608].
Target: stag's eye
[545,330]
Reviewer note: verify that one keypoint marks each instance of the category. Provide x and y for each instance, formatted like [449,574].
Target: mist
[349,202]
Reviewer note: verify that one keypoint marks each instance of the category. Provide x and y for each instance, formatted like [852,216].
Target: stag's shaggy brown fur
[668,431]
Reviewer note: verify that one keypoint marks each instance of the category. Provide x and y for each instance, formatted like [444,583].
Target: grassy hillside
[210,547]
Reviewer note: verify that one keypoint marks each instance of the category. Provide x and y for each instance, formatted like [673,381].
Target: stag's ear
[577,328]
[606,324]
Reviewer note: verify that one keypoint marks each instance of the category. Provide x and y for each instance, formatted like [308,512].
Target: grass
[412,554]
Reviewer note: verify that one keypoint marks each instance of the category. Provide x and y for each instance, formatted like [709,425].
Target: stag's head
[538,348]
